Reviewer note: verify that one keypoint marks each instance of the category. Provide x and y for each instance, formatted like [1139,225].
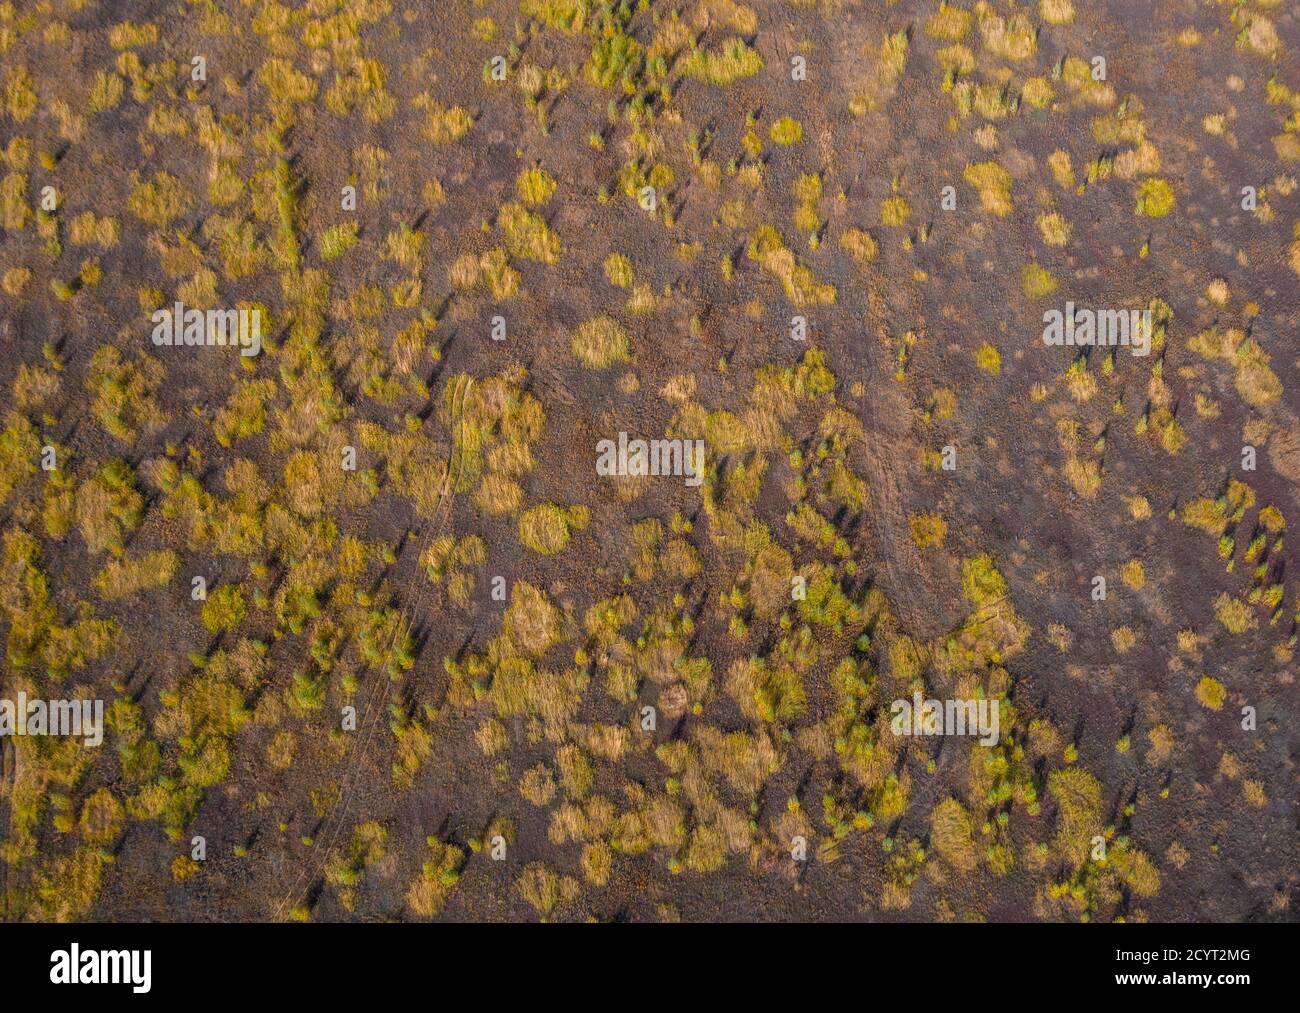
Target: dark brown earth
[1214,821]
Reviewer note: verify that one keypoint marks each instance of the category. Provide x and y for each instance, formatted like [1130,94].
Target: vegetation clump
[600,343]
[546,528]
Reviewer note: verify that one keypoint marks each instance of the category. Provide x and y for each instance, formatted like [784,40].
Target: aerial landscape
[649,461]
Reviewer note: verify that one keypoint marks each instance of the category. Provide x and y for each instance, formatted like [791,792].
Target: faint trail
[304,880]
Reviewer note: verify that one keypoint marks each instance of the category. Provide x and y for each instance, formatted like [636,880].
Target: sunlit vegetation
[535,186]
[345,867]
[224,609]
[124,401]
[895,211]
[160,201]
[546,529]
[452,561]
[544,889]
[1255,380]
[618,270]
[600,342]
[527,235]
[443,124]
[859,245]
[1037,281]
[438,877]
[928,530]
[993,184]
[1155,198]
[989,359]
[1054,229]
[768,248]
[336,241]
[731,62]
[1210,693]
[370,570]
[125,577]
[786,131]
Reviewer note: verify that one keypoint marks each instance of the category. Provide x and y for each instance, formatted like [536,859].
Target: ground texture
[376,641]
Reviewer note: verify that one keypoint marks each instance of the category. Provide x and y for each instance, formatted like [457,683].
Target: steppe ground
[376,641]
